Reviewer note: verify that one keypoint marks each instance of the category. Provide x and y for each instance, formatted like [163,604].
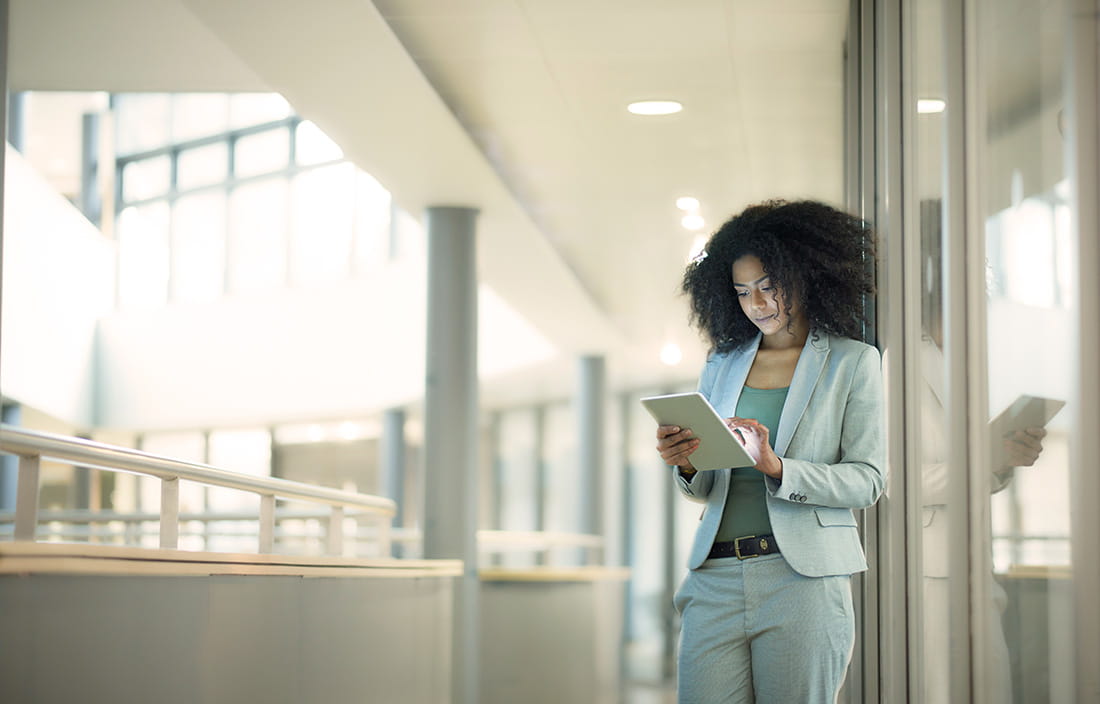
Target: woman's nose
[757,300]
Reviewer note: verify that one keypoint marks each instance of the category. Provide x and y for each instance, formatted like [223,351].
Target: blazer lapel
[725,399]
[811,363]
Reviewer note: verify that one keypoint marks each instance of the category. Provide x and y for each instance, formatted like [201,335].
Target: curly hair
[815,254]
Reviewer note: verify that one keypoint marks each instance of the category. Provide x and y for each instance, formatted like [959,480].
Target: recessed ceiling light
[693,222]
[671,354]
[687,203]
[655,107]
[926,106]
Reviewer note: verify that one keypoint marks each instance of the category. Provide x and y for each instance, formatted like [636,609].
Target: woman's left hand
[754,436]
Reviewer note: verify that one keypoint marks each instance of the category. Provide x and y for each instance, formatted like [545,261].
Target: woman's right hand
[675,444]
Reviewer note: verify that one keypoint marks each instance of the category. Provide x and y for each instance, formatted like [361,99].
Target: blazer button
[793,497]
[802,498]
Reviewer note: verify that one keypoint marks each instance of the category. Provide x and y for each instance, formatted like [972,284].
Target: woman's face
[763,304]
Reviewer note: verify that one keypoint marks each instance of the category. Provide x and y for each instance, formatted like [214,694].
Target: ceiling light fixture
[687,203]
[671,354]
[927,106]
[655,107]
[693,222]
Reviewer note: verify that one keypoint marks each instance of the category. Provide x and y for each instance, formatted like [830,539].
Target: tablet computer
[1023,413]
[718,446]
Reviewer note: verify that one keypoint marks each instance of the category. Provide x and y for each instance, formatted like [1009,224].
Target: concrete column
[9,464]
[451,426]
[391,463]
[9,471]
[590,437]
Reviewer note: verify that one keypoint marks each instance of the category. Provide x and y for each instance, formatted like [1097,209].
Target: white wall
[351,348]
[58,279]
[294,355]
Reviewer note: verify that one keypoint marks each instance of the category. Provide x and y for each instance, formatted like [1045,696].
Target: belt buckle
[737,547]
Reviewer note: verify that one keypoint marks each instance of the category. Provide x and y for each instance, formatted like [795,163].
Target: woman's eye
[742,294]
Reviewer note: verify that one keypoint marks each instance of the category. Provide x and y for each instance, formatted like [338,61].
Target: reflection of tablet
[1025,412]
[718,447]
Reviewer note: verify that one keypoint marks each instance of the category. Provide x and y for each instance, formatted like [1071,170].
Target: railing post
[26,498]
[170,512]
[336,531]
[267,523]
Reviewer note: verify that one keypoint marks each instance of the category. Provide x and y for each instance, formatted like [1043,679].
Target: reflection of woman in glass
[767,606]
[1021,449]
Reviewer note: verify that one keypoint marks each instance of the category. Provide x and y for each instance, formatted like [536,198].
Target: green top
[746,512]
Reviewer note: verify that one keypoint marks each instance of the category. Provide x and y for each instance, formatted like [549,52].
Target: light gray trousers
[757,631]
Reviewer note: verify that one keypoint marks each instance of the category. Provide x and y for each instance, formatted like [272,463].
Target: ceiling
[516,107]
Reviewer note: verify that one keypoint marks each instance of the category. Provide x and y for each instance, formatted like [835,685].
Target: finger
[1026,439]
[668,448]
[669,444]
[735,423]
[665,430]
[675,438]
[679,454]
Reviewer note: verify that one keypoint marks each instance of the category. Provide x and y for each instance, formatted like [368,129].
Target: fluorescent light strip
[655,107]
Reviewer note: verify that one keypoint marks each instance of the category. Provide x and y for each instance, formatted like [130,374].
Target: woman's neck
[791,337]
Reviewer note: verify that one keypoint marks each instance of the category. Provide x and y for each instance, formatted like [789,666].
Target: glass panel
[565,488]
[262,152]
[246,452]
[198,242]
[202,166]
[143,262]
[937,502]
[1029,349]
[372,222]
[147,178]
[322,205]
[247,109]
[312,146]
[142,121]
[199,115]
[648,483]
[257,236]
[518,488]
[409,239]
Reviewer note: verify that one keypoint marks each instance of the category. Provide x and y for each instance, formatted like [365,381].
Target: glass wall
[995,359]
[1029,347]
[517,457]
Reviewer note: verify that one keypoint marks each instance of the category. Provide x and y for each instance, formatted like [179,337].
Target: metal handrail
[31,446]
[82,515]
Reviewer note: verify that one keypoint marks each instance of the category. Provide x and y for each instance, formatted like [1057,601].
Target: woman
[766,608]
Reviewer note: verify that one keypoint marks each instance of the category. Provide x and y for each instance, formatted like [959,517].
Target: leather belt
[745,547]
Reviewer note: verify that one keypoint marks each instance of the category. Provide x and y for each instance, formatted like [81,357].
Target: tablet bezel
[718,448]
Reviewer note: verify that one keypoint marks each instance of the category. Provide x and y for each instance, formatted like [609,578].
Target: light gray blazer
[831,440]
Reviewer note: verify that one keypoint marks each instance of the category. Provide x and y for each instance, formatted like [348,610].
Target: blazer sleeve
[858,477]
